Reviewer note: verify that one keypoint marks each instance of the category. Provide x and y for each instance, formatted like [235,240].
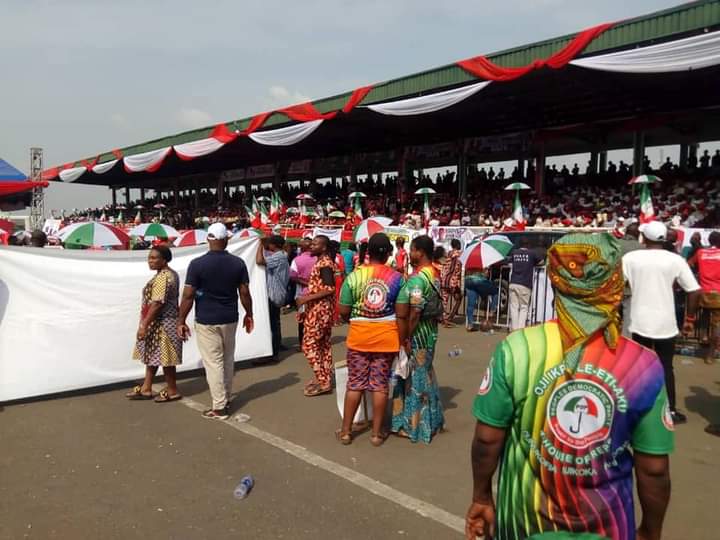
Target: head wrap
[586,274]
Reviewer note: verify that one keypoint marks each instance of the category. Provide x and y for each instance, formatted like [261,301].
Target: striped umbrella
[486,252]
[337,214]
[356,195]
[645,179]
[154,230]
[192,237]
[517,185]
[93,234]
[370,226]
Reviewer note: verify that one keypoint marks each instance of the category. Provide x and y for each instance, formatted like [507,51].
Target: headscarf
[586,274]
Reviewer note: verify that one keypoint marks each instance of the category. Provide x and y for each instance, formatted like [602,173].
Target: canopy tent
[8,173]
[13,181]
[597,76]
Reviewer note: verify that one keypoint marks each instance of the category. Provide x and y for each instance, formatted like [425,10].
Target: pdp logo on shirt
[667,418]
[486,382]
[580,413]
[376,293]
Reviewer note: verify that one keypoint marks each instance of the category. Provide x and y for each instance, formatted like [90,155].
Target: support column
[196,195]
[462,174]
[692,158]
[177,193]
[638,152]
[521,168]
[594,157]
[114,196]
[684,154]
[142,195]
[603,161]
[220,192]
[540,170]
[127,197]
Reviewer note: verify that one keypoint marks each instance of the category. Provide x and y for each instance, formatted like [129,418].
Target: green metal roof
[684,19]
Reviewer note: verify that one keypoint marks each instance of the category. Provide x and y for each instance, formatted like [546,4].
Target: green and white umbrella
[645,179]
[154,230]
[357,194]
[486,252]
[263,198]
[93,234]
[337,214]
[425,191]
[517,185]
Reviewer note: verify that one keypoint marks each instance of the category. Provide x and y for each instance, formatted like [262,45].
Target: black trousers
[665,349]
[275,328]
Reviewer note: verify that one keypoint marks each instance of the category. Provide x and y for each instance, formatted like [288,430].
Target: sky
[81,77]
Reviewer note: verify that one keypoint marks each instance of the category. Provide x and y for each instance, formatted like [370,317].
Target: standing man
[569,408]
[271,255]
[708,261]
[319,301]
[213,283]
[523,261]
[651,273]
[300,270]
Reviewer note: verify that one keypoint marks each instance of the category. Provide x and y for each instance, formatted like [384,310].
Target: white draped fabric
[695,52]
[70,175]
[286,136]
[146,160]
[104,167]
[429,103]
[196,149]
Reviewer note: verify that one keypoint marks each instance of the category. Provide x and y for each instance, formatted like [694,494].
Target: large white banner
[332,234]
[68,318]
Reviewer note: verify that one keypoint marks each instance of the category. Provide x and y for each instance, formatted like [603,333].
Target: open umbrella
[517,185]
[159,206]
[292,210]
[304,197]
[370,226]
[337,214]
[93,234]
[356,194]
[4,235]
[154,230]
[139,207]
[263,198]
[192,237]
[425,191]
[645,179]
[486,252]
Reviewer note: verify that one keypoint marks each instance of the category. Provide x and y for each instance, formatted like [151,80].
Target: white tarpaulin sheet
[68,318]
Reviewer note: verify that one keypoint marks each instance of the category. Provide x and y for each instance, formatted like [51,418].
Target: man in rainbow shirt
[568,409]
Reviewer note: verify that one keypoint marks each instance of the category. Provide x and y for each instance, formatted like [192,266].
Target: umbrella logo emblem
[580,413]
[667,418]
[376,293]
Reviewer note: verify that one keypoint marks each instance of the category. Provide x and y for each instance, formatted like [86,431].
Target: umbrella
[139,207]
[486,252]
[425,191]
[248,233]
[304,197]
[4,235]
[121,207]
[336,214]
[263,198]
[159,206]
[645,179]
[370,226]
[292,210]
[355,194]
[192,237]
[154,230]
[93,234]
[517,185]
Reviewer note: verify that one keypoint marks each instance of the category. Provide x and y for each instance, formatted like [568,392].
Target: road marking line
[423,508]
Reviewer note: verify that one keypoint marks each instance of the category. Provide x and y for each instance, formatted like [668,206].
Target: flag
[274,208]
[358,213]
[518,217]
[426,211]
[647,212]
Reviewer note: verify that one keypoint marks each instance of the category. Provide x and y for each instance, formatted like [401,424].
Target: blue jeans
[478,287]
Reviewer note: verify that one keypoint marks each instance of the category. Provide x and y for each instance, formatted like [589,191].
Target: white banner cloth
[196,149]
[332,234]
[429,103]
[286,136]
[70,175]
[104,167]
[147,161]
[695,52]
[68,318]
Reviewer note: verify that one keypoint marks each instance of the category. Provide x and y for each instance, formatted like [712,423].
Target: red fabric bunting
[89,164]
[10,188]
[223,134]
[356,98]
[117,153]
[305,112]
[49,174]
[484,69]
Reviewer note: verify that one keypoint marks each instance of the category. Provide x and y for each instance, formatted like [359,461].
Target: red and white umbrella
[304,197]
[192,237]
[248,233]
[4,235]
[154,230]
[93,234]
[370,226]
[486,252]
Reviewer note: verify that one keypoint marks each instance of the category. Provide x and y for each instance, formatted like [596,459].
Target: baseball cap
[217,231]
[655,231]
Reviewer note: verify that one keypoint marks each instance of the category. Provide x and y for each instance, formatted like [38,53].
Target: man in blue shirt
[271,255]
[213,283]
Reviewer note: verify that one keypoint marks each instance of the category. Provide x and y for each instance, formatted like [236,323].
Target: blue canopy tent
[13,181]
[8,173]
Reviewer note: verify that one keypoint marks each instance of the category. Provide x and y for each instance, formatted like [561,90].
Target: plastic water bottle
[454,352]
[244,487]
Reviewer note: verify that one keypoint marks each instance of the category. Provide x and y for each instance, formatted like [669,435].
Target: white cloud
[193,118]
[118,120]
[282,97]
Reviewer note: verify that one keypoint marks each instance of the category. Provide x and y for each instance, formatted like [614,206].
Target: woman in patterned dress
[157,341]
[318,317]
[417,411]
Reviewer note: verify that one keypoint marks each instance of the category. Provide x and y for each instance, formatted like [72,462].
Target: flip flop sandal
[344,437]
[165,397]
[136,394]
[377,439]
[317,390]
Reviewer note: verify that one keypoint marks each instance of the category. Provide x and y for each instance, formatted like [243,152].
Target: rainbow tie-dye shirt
[567,463]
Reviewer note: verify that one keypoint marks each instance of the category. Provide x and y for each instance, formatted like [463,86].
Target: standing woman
[157,341]
[417,410]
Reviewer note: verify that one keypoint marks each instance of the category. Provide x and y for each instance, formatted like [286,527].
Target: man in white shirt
[651,274]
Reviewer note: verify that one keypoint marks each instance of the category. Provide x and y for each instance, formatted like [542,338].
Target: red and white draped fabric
[219,137]
[286,136]
[70,175]
[147,161]
[10,188]
[102,168]
[690,53]
[429,103]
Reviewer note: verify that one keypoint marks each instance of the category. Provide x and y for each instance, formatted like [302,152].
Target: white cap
[655,231]
[217,231]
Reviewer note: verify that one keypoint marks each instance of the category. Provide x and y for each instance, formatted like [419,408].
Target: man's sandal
[136,394]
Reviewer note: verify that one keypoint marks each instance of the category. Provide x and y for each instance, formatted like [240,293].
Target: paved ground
[96,466]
